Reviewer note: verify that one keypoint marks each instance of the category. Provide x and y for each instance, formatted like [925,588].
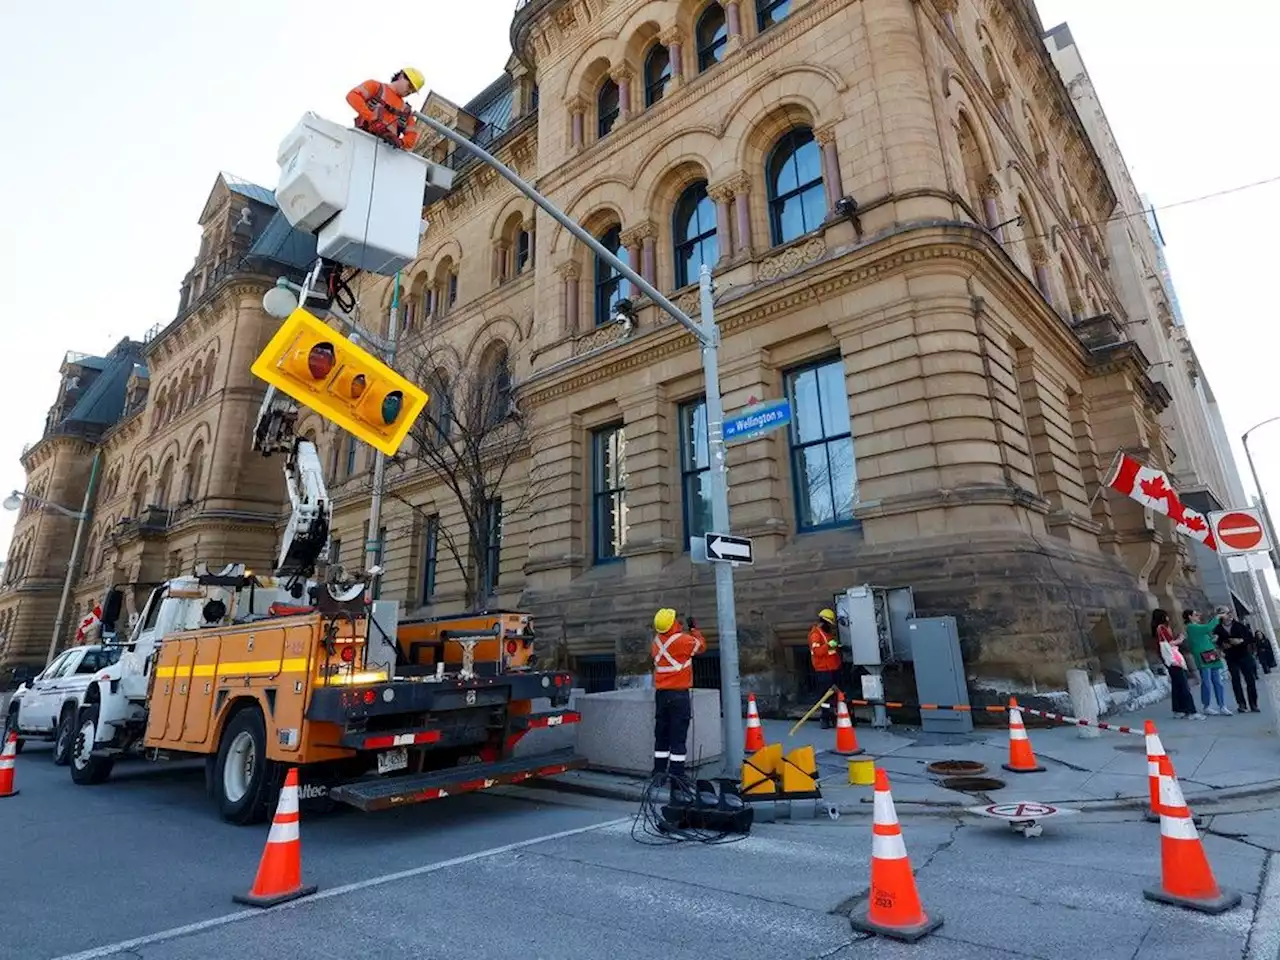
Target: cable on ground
[652,829]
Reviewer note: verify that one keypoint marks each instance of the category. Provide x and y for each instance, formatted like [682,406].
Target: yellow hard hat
[664,619]
[415,77]
[828,615]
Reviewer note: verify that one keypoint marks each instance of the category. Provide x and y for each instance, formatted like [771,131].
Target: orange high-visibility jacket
[673,654]
[395,115]
[823,657]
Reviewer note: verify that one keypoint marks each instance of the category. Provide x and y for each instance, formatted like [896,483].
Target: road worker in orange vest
[673,651]
[824,653]
[381,108]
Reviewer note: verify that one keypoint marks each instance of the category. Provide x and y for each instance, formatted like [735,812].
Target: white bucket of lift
[315,172]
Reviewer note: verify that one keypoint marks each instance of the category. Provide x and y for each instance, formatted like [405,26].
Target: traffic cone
[280,871]
[755,732]
[1155,750]
[8,760]
[893,905]
[1021,759]
[846,739]
[1186,879]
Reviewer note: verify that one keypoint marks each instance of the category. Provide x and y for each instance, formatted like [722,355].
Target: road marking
[1264,938]
[203,925]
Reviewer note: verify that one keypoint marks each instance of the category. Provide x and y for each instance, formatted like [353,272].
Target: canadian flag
[1151,488]
[87,623]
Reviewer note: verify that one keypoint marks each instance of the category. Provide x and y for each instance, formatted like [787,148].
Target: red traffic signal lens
[320,360]
[358,383]
[391,406]
[348,653]
[512,647]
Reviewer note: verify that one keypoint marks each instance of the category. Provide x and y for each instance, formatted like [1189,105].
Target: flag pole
[1106,481]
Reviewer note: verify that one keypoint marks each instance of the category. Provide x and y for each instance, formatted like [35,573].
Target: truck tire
[243,776]
[11,723]
[64,737]
[87,769]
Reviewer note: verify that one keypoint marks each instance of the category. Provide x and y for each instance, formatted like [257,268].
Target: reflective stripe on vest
[664,653]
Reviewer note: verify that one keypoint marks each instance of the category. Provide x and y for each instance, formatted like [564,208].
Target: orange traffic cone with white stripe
[1155,750]
[8,760]
[1021,759]
[280,871]
[1186,880]
[893,905]
[846,739]
[755,732]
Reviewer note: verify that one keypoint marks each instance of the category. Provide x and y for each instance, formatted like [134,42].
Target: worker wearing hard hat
[381,108]
[673,651]
[824,653]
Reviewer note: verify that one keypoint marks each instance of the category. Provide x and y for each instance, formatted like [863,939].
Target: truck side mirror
[111,609]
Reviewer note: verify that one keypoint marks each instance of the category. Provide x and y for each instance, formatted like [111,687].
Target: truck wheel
[65,737]
[242,778]
[86,769]
[11,723]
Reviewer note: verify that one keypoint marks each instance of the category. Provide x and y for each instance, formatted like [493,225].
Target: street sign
[1239,531]
[726,549]
[757,420]
[1023,810]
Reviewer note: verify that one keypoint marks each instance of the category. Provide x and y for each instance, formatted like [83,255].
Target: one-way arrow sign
[726,549]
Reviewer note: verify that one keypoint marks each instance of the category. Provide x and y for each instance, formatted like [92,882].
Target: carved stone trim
[739,183]
[569,270]
[622,72]
[576,104]
[825,134]
[991,187]
[947,6]
[669,36]
[599,337]
[792,259]
[720,192]
[638,234]
[1039,256]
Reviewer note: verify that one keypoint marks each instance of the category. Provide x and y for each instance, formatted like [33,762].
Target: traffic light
[309,361]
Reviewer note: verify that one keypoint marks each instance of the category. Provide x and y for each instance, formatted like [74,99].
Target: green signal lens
[392,404]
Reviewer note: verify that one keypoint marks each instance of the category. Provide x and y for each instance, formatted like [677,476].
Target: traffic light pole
[373,546]
[708,335]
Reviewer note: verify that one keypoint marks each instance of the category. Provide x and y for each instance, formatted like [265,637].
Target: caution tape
[1079,722]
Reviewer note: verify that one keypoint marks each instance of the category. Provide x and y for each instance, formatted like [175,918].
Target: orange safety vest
[824,658]
[673,654]
[395,116]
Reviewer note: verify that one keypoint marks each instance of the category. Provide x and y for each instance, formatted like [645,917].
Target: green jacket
[1199,639]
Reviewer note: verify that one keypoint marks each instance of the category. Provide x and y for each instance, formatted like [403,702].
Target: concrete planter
[616,732]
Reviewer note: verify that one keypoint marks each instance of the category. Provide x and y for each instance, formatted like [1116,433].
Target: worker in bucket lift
[824,653]
[381,108]
[673,650]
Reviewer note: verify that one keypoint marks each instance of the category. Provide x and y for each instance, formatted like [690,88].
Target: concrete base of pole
[1271,683]
[1084,703]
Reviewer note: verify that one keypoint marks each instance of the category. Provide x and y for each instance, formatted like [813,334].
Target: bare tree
[470,439]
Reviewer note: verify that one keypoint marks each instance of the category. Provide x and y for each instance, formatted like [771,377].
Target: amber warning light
[340,381]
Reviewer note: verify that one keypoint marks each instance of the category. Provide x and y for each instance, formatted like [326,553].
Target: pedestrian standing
[824,655]
[673,650]
[1266,656]
[1205,652]
[1235,640]
[1184,704]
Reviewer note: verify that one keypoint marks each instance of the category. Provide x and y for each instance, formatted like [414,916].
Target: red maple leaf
[1195,522]
[1155,488]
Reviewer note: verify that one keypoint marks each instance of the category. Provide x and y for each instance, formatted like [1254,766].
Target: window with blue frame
[712,35]
[769,12]
[609,493]
[608,106]
[822,462]
[695,469]
[694,230]
[610,285]
[797,197]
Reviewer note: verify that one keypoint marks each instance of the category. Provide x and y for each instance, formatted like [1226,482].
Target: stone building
[906,217]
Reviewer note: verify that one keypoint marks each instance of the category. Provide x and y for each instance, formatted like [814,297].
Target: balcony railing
[151,521]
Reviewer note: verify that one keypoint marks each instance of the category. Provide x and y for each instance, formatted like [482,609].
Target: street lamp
[14,500]
[1272,678]
[1262,497]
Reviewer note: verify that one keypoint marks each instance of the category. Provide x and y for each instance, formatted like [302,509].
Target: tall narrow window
[453,289]
[522,250]
[797,199]
[657,74]
[607,108]
[493,549]
[712,34]
[430,544]
[822,463]
[335,550]
[352,444]
[769,12]
[694,230]
[610,286]
[695,469]
[609,493]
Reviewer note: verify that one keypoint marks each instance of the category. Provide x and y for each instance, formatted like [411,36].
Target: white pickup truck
[46,707]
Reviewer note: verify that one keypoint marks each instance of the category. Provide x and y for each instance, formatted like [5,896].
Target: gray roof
[248,189]
[103,401]
[282,243]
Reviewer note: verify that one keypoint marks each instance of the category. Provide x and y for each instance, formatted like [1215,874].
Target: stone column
[621,75]
[640,244]
[1040,270]
[499,262]
[741,186]
[733,25]
[569,273]
[431,305]
[948,10]
[631,241]
[670,38]
[990,191]
[577,111]
[722,194]
[826,137]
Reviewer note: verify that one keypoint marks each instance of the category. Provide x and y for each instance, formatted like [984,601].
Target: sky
[118,117]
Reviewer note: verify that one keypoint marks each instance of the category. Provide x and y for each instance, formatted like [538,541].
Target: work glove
[833,644]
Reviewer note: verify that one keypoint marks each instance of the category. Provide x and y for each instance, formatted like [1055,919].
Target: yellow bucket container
[862,772]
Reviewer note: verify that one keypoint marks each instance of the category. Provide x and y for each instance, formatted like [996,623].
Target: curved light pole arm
[49,504]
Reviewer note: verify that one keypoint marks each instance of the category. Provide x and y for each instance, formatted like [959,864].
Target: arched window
[694,229]
[797,200]
[657,74]
[607,108]
[194,471]
[522,250]
[711,34]
[438,425]
[610,286]
[207,385]
[769,12]
[495,385]
[164,485]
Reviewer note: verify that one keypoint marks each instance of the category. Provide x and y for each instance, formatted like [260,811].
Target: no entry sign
[1239,531]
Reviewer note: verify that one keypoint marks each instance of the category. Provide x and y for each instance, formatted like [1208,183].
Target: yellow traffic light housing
[309,361]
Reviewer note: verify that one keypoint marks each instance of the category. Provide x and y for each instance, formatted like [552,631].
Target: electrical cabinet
[872,624]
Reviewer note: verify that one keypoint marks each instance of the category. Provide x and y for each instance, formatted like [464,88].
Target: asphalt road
[142,869]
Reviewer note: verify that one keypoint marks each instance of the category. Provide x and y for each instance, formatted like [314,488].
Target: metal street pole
[1262,497]
[75,554]
[1272,679]
[709,338]
[373,542]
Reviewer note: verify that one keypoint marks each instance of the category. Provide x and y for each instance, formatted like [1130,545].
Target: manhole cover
[957,768]
[1136,748]
[972,784]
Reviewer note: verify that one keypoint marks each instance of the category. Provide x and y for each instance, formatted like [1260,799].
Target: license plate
[390,760]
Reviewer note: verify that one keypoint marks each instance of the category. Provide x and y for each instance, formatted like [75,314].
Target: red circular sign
[1240,531]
